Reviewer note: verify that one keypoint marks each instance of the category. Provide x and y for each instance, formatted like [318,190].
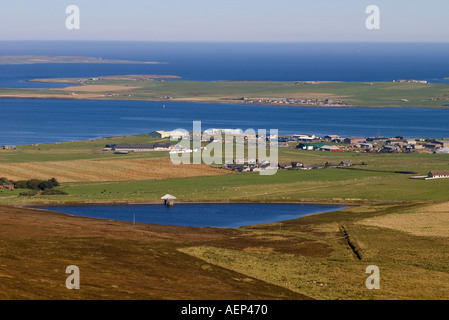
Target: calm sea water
[26,121]
[237,61]
[199,215]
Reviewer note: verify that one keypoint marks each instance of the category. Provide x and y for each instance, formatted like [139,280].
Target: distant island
[406,93]
[93,80]
[31,59]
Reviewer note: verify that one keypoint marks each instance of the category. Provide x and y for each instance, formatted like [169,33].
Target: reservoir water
[199,215]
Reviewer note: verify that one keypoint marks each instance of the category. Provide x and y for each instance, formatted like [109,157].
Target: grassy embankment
[379,94]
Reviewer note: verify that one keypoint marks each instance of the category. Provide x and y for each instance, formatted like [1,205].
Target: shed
[168,199]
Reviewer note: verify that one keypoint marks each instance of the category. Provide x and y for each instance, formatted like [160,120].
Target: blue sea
[26,121]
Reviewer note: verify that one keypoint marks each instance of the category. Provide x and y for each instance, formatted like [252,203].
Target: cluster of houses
[412,81]
[11,147]
[371,144]
[126,148]
[296,102]
[254,166]
[331,143]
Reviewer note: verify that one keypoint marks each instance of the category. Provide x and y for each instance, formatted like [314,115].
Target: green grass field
[377,180]
[77,150]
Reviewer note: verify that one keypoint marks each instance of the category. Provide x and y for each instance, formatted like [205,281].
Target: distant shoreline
[33,59]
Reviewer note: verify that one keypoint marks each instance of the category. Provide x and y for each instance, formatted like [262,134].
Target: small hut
[169,200]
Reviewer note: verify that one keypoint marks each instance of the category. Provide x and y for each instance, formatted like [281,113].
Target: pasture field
[89,174]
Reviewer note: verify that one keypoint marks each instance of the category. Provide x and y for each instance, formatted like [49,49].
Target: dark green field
[373,177]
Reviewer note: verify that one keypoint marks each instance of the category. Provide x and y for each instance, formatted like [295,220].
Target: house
[119,148]
[391,149]
[296,164]
[235,167]
[162,146]
[443,144]
[366,145]
[216,131]
[330,164]
[310,146]
[304,137]
[311,166]
[332,137]
[173,135]
[438,174]
[345,163]
[331,148]
[354,140]
[159,134]
[410,141]
[9,147]
[442,150]
[284,165]
[7,186]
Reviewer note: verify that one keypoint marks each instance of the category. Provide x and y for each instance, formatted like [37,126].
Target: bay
[30,121]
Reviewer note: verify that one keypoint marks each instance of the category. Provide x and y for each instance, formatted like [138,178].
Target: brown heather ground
[116,259]
[296,259]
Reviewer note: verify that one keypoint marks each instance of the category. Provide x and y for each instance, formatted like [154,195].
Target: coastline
[213,101]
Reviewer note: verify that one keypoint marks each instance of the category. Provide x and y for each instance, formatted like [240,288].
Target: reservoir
[222,215]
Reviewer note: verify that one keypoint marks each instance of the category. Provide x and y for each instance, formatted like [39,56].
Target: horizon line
[230,42]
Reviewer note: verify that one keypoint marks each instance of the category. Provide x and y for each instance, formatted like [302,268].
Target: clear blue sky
[226,20]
